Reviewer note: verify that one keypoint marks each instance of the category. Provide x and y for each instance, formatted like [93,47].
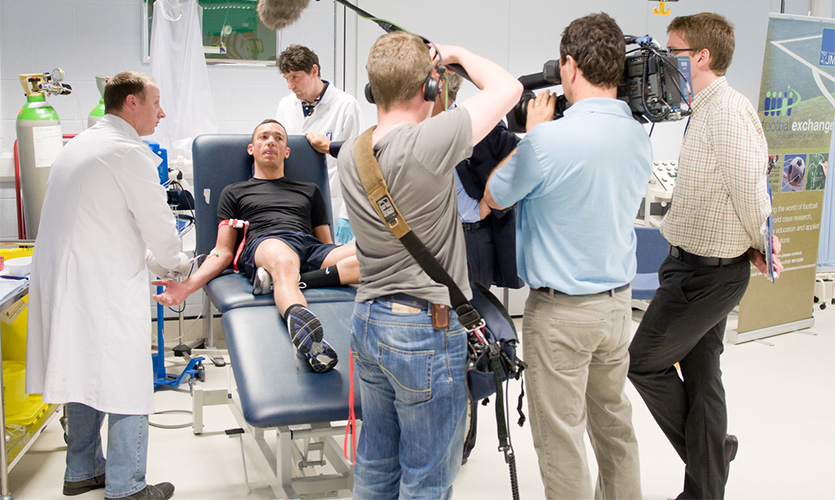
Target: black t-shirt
[271,205]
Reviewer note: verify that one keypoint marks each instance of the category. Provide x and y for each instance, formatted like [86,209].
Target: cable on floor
[176,426]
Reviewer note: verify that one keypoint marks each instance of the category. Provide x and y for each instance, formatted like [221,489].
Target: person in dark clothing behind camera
[490,235]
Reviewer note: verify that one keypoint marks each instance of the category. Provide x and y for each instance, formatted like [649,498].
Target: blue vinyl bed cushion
[651,251]
[265,362]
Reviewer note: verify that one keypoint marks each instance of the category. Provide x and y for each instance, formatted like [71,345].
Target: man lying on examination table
[288,231]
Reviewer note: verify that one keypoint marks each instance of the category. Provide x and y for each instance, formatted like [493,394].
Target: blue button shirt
[579,182]
[467,205]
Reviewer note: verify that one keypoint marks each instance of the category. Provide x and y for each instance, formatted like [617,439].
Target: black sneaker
[304,328]
[72,488]
[322,357]
[161,491]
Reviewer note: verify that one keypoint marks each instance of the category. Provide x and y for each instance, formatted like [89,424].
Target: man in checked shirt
[719,205]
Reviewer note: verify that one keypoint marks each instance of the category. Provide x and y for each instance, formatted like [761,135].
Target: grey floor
[781,399]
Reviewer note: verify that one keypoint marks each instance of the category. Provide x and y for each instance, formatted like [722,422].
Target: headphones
[431,89]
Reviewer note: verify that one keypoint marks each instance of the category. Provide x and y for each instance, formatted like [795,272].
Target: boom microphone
[277,14]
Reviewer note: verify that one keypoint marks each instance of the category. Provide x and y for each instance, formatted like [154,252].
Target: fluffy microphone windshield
[276,14]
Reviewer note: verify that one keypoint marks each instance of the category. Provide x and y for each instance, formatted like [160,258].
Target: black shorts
[310,250]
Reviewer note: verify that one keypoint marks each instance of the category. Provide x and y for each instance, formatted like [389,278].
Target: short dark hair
[710,31]
[119,87]
[298,58]
[268,120]
[596,43]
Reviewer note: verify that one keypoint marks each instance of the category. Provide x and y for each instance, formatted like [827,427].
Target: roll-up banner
[797,108]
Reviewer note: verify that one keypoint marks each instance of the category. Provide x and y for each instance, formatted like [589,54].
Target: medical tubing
[21,222]
[351,426]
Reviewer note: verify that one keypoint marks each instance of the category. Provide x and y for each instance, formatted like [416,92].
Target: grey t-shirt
[417,162]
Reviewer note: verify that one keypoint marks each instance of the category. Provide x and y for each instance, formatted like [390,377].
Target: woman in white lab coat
[89,316]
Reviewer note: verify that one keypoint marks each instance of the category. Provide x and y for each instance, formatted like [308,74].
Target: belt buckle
[675,252]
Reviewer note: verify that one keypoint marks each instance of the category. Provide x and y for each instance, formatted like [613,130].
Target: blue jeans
[127,449]
[414,400]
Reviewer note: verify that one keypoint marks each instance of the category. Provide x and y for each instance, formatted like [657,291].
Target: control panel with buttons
[665,173]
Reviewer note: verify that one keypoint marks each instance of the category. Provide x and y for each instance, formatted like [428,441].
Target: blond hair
[398,65]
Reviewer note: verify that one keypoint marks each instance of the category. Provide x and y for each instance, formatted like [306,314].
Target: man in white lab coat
[88,340]
[323,113]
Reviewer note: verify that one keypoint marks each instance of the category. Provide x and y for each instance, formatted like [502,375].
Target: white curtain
[179,68]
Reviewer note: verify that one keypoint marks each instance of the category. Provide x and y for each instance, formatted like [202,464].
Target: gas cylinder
[98,112]
[38,141]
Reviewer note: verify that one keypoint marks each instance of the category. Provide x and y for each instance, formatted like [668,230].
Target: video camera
[655,86]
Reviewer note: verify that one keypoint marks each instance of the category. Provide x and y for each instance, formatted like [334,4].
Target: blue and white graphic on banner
[828,47]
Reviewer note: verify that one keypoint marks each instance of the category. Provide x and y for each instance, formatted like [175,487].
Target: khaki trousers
[576,348]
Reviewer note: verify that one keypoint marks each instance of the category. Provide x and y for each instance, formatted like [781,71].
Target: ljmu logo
[779,103]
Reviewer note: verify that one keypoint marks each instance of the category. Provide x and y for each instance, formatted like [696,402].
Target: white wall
[103,37]
[92,37]
[522,35]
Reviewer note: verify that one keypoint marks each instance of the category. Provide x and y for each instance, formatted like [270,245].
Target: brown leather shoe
[731,447]
[161,491]
[72,488]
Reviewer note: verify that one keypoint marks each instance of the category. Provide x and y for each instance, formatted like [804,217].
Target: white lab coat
[89,335]
[337,116]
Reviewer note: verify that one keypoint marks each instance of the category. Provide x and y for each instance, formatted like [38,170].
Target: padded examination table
[277,386]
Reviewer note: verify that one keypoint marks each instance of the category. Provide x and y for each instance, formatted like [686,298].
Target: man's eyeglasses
[681,50]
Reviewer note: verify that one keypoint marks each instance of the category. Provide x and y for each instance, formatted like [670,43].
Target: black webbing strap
[467,315]
[494,354]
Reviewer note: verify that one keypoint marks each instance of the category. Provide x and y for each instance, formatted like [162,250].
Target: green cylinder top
[99,109]
[37,109]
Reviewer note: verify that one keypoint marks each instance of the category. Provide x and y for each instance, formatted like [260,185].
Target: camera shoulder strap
[377,191]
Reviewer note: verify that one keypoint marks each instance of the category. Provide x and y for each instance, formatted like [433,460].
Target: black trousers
[481,255]
[685,323]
